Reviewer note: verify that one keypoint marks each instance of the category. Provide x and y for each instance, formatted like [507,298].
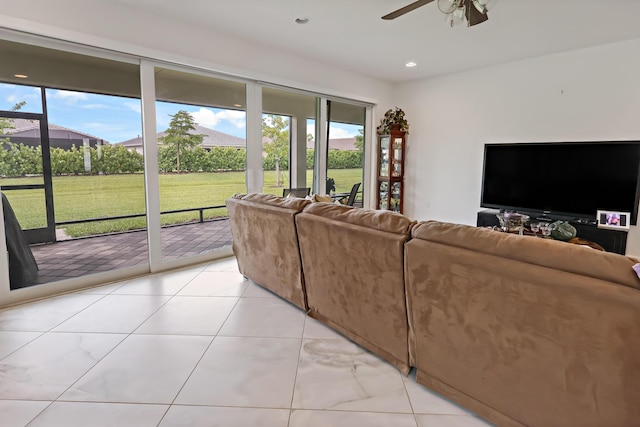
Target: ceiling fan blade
[474,16]
[406,9]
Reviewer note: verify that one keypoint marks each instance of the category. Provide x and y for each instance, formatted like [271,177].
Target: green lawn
[83,197]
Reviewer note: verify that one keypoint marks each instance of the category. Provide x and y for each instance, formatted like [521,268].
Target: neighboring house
[27,132]
[212,138]
[346,144]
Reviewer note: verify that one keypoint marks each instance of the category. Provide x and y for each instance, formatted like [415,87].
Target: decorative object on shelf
[395,120]
[391,155]
[613,220]
[545,229]
[470,12]
[610,240]
[512,222]
[562,230]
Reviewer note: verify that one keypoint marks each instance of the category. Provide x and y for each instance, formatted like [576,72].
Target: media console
[610,240]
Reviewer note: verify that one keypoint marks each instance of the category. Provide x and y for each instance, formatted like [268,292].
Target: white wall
[589,94]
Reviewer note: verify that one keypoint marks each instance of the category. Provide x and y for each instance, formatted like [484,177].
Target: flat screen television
[574,179]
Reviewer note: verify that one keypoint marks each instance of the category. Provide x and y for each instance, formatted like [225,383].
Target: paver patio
[79,257]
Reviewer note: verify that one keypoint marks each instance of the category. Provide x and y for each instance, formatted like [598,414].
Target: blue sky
[116,119]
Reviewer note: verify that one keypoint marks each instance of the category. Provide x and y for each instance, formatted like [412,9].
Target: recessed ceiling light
[302,20]
[20,76]
[411,64]
[237,105]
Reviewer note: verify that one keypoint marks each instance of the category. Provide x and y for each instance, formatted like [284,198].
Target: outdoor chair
[348,198]
[353,194]
[296,192]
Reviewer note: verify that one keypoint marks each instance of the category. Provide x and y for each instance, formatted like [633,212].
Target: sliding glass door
[288,136]
[345,150]
[74,196]
[202,151]
[77,182]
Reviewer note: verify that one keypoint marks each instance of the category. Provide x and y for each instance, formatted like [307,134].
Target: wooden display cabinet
[390,182]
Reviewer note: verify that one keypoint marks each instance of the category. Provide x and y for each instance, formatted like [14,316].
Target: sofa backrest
[544,252]
[265,243]
[353,267]
[542,332]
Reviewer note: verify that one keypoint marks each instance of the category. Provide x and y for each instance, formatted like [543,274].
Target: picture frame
[613,220]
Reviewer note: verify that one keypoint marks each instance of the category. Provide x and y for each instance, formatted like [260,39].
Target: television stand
[610,240]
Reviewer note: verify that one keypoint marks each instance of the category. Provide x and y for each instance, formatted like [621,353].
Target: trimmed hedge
[21,160]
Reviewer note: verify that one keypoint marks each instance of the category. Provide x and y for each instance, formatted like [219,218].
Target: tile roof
[26,128]
[338,144]
[212,138]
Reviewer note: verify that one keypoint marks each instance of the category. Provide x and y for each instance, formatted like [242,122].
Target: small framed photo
[613,220]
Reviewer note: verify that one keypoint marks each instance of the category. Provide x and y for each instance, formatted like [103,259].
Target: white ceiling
[350,34]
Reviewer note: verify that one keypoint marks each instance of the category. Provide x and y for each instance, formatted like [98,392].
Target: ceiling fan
[471,12]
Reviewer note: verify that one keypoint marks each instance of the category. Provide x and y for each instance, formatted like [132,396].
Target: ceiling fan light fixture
[458,17]
[448,6]
[457,12]
[483,6]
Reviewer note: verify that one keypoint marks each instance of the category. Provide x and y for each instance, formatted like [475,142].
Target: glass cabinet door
[397,157]
[396,191]
[384,188]
[391,171]
[384,156]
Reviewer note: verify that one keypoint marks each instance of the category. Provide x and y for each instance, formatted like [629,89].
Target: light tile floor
[197,347]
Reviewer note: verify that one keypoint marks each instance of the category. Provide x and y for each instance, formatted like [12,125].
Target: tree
[6,124]
[179,137]
[276,130]
[360,141]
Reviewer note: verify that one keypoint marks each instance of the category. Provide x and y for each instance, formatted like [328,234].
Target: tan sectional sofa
[521,330]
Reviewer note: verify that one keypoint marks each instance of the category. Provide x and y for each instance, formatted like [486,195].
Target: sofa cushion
[353,263]
[386,221]
[321,198]
[544,252]
[295,203]
[265,243]
[500,326]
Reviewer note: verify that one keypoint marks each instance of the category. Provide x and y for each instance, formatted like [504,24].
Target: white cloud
[236,118]
[209,118]
[205,117]
[69,96]
[133,106]
[335,133]
[29,98]
[95,106]
[268,120]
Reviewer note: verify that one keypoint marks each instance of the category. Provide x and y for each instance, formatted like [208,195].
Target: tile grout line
[295,377]
[202,356]
[127,335]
